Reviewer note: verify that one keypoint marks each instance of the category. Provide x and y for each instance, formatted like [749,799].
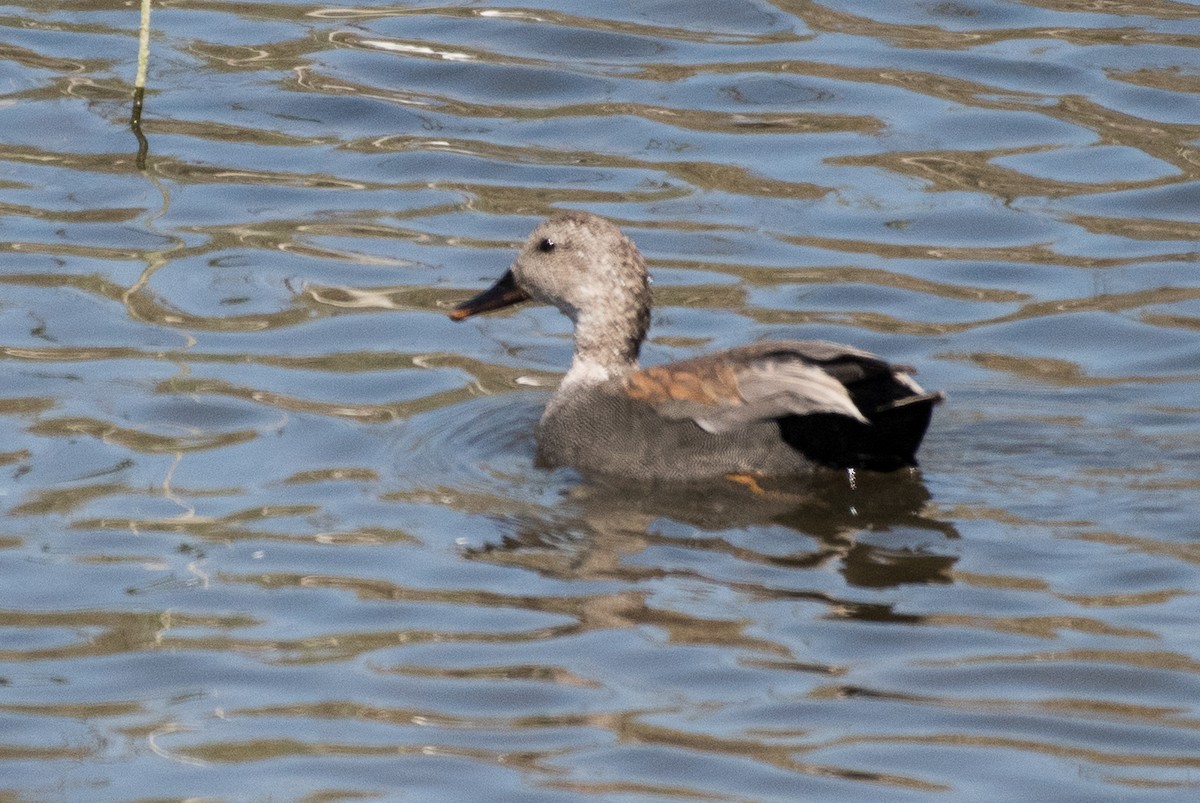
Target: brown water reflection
[271,524]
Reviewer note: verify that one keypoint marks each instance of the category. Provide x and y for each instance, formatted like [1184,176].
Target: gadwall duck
[776,408]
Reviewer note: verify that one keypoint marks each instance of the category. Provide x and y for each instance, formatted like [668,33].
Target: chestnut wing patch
[702,383]
[723,396]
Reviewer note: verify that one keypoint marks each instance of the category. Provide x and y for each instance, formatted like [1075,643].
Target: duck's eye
[546,245]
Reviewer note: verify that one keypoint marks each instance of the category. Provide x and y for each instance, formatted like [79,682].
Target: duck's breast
[607,431]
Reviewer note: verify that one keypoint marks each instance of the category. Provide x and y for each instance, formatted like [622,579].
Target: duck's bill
[504,293]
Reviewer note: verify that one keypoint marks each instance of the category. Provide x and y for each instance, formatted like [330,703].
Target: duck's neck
[606,347]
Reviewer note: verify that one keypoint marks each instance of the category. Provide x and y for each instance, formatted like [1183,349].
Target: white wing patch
[772,389]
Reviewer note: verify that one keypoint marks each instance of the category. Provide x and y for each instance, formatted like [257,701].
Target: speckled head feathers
[583,264]
[589,269]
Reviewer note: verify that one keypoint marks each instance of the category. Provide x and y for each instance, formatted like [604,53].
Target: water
[271,527]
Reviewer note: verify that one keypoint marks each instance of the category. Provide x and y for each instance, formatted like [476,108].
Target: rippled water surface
[270,521]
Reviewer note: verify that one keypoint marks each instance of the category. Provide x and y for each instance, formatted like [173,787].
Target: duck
[781,408]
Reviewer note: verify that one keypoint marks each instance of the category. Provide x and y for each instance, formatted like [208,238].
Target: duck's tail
[887,441]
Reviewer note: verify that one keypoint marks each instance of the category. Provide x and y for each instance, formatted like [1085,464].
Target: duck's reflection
[600,525]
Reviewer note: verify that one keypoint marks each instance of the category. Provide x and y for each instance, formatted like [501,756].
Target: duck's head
[585,266]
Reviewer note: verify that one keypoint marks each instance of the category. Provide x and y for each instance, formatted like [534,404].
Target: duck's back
[774,408]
